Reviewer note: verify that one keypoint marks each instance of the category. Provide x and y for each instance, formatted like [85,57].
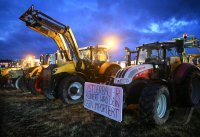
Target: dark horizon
[129,22]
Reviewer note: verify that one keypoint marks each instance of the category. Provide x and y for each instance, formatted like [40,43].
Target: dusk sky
[129,22]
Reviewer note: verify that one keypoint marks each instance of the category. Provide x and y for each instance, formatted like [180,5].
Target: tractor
[9,73]
[66,81]
[24,64]
[98,53]
[161,83]
[27,82]
[190,43]
[194,58]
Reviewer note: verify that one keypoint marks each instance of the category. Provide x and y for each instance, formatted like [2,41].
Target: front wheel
[71,89]
[154,104]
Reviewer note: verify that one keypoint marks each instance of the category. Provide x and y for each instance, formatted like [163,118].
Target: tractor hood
[128,74]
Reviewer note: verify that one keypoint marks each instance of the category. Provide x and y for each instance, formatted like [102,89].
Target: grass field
[25,115]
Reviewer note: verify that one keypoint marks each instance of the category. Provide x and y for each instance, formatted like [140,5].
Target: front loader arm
[40,22]
[190,42]
[58,38]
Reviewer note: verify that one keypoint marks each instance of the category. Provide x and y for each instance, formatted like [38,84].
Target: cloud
[134,22]
[167,26]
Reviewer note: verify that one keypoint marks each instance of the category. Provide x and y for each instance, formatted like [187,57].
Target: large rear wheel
[154,104]
[181,115]
[71,89]
[188,96]
[188,92]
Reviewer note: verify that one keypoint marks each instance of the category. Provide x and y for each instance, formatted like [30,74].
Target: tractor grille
[121,73]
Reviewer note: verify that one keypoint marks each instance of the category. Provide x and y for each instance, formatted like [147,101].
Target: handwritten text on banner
[104,99]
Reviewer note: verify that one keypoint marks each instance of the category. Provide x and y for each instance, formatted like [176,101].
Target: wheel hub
[75,90]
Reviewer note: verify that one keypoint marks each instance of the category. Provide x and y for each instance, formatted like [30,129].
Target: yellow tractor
[67,80]
[26,81]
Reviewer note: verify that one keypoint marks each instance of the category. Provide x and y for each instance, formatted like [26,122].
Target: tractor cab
[94,57]
[45,59]
[95,54]
[165,57]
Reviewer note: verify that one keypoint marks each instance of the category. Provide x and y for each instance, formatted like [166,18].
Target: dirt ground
[25,115]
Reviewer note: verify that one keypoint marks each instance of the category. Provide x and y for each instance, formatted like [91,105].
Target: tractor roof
[93,47]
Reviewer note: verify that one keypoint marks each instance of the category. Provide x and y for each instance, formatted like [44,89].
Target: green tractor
[9,74]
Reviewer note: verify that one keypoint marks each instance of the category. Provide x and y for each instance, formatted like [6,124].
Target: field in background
[25,115]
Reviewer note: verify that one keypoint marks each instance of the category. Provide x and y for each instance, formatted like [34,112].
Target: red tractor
[161,82]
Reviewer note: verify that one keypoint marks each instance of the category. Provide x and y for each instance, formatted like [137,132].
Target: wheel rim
[38,86]
[17,83]
[162,105]
[75,90]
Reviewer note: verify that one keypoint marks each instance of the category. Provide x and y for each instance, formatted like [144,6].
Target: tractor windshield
[101,55]
[171,52]
[94,55]
[149,53]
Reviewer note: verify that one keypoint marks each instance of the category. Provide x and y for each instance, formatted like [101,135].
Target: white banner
[104,99]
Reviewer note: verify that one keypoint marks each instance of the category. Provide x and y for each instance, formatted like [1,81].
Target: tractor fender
[28,71]
[106,65]
[35,71]
[182,70]
[82,75]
